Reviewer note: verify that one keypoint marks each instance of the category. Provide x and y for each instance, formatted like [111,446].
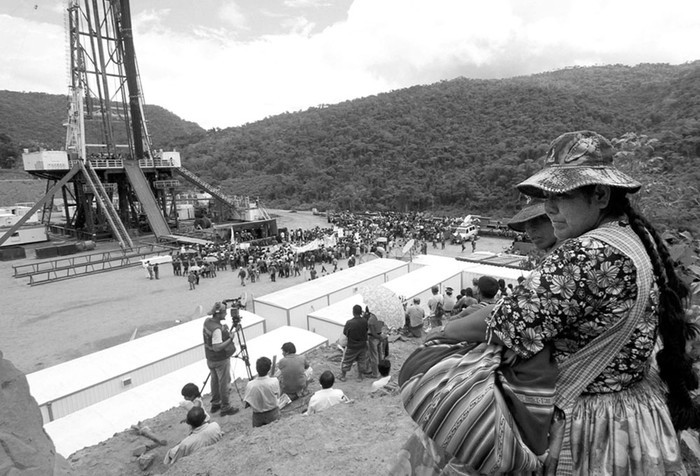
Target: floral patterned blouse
[577,292]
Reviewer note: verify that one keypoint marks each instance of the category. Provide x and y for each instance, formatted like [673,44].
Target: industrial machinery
[109,176]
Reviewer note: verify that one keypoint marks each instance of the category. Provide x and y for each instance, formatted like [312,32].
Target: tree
[8,152]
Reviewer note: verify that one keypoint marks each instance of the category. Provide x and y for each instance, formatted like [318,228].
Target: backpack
[439,310]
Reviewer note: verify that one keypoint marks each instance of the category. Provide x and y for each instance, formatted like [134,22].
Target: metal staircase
[234,202]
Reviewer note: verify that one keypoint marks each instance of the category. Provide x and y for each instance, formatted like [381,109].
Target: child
[192,398]
[327,396]
[384,385]
[261,394]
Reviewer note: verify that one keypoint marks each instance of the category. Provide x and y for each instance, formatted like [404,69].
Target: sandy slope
[44,325]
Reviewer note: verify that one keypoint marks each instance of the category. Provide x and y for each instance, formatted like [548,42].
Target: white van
[464,233]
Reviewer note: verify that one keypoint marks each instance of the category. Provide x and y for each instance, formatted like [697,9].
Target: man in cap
[436,306]
[449,301]
[218,349]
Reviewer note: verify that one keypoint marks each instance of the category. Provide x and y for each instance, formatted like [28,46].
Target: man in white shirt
[327,396]
[436,305]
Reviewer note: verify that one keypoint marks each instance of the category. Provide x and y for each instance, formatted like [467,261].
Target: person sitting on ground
[261,394]
[202,434]
[294,372]
[327,396]
[192,398]
[465,301]
[385,385]
[488,289]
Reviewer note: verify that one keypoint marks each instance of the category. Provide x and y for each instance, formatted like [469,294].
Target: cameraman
[218,349]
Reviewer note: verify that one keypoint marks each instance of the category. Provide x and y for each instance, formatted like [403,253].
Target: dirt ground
[45,325]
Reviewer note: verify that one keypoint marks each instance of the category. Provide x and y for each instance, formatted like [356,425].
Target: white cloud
[33,56]
[232,14]
[206,74]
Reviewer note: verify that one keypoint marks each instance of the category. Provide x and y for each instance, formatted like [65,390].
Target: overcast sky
[224,63]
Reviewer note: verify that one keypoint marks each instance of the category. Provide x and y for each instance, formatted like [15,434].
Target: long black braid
[675,365]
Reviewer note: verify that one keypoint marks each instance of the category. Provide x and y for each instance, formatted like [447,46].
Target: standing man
[415,315]
[356,331]
[374,338]
[436,305]
[218,349]
[449,302]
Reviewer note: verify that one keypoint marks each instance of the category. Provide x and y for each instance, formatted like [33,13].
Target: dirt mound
[25,448]
[358,438]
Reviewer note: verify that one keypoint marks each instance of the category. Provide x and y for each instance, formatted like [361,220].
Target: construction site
[109,183]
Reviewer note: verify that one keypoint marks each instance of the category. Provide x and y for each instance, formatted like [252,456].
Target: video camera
[235,305]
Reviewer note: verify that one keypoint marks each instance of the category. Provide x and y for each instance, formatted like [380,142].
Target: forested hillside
[457,146]
[453,147]
[31,120]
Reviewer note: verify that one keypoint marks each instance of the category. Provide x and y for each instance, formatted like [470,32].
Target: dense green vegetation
[453,147]
[32,120]
[458,146]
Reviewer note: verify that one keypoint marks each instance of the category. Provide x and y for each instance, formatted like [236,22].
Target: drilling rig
[111,179]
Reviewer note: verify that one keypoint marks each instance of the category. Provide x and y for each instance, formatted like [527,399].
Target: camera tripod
[237,332]
[237,329]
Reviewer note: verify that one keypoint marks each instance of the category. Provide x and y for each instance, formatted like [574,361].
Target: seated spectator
[385,385]
[202,434]
[488,289]
[261,394]
[467,299]
[192,398]
[293,371]
[327,396]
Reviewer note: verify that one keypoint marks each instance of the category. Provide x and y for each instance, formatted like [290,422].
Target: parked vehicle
[465,232]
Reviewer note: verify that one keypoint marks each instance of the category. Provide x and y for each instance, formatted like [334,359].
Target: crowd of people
[604,301]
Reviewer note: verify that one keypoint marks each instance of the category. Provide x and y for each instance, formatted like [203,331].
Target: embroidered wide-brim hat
[576,159]
[531,211]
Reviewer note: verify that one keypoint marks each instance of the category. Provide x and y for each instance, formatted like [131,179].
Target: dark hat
[576,159]
[488,286]
[533,210]
[218,307]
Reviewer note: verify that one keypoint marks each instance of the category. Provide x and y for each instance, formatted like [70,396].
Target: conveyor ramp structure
[143,191]
[100,421]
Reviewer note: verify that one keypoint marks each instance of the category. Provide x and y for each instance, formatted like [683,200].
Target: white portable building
[100,421]
[67,387]
[289,307]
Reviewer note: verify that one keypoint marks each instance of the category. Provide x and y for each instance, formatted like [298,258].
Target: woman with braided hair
[609,303]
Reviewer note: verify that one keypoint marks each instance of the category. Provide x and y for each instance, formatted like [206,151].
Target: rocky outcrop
[25,448]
